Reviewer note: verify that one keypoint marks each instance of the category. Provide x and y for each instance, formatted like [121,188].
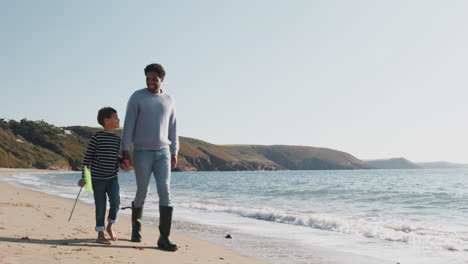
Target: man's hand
[81,183]
[173,161]
[126,158]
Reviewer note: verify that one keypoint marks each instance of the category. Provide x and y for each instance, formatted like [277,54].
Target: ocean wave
[386,230]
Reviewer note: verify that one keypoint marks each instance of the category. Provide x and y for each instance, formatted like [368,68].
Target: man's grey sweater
[150,122]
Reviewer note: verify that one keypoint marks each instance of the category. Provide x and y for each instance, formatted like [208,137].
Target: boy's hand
[126,158]
[81,182]
[173,161]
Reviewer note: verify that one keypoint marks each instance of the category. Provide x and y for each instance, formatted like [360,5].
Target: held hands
[81,183]
[126,158]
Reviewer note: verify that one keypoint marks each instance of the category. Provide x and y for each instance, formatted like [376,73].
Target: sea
[320,216]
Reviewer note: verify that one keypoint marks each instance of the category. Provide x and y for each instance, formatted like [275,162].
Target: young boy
[102,158]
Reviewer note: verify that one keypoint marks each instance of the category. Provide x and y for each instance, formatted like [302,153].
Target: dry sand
[34,229]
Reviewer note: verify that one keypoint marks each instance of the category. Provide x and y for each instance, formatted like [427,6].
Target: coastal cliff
[37,144]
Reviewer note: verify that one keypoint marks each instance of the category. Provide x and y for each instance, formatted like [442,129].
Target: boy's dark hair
[157,68]
[105,112]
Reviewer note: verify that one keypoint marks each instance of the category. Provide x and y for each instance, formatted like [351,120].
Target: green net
[87,177]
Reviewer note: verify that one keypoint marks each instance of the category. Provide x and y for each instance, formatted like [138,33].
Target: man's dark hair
[105,112]
[157,68]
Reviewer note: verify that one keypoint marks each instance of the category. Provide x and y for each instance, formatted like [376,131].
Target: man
[150,124]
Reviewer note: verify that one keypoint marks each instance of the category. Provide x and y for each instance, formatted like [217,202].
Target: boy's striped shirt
[102,155]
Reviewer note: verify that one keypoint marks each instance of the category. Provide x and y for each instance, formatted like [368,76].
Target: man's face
[153,82]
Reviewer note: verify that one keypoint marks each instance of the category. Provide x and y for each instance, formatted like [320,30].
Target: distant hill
[441,165]
[27,144]
[306,158]
[394,163]
[199,155]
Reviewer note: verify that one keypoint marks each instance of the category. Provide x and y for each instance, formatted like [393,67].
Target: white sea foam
[384,230]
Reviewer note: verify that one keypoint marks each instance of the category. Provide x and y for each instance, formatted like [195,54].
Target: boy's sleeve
[129,124]
[89,154]
[174,148]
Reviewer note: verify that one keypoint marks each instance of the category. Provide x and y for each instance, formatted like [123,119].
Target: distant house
[65,131]
[19,140]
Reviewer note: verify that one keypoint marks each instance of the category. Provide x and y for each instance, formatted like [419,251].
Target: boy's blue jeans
[103,188]
[159,164]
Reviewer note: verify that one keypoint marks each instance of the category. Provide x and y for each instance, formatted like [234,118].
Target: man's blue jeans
[159,164]
[103,188]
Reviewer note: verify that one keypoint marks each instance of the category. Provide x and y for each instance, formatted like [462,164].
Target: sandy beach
[35,229]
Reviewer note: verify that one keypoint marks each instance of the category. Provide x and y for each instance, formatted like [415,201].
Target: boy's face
[153,82]
[112,122]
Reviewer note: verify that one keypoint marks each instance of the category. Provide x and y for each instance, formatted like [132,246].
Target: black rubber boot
[165,221]
[137,214]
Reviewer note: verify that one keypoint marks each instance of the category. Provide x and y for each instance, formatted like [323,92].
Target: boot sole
[167,249]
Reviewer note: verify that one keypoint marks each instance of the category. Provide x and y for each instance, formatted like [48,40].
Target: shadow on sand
[71,242]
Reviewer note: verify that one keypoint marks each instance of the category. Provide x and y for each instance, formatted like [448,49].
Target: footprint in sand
[81,249]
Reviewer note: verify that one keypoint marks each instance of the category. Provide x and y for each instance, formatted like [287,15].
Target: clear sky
[377,79]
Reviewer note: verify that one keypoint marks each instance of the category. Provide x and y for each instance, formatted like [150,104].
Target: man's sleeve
[173,132]
[129,124]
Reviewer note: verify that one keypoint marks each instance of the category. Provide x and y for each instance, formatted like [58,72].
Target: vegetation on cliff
[394,163]
[37,144]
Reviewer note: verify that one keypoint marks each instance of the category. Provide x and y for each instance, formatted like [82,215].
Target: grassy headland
[37,144]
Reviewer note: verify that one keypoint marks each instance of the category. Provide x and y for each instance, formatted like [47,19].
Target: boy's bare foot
[111,232]
[101,239]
